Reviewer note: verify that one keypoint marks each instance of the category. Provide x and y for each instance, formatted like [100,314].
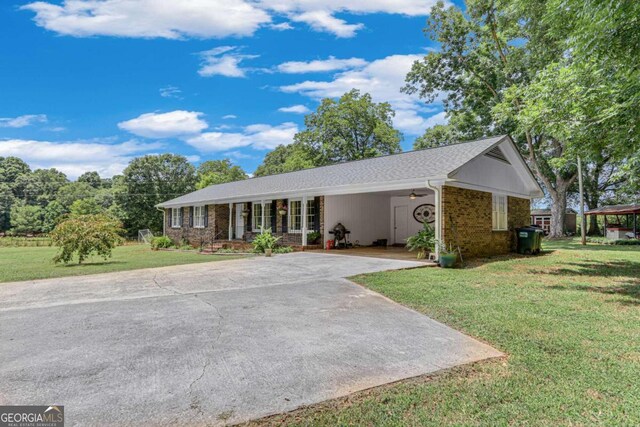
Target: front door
[239,221]
[400,226]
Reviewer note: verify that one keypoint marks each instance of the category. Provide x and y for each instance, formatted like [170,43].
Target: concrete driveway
[213,343]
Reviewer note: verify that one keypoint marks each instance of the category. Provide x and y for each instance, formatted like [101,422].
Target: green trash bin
[527,240]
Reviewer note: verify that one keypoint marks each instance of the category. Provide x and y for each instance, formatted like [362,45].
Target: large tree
[150,180]
[288,158]
[40,187]
[351,128]
[504,68]
[217,172]
[437,136]
[92,178]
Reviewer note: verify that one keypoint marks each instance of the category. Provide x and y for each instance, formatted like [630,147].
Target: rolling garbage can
[529,240]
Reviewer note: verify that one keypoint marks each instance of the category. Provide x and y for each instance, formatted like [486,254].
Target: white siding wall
[365,215]
[413,225]
[494,174]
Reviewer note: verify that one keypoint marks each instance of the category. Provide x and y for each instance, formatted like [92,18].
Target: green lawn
[568,320]
[27,263]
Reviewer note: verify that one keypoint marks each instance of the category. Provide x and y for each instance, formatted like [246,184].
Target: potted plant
[447,256]
[313,237]
[282,210]
[265,242]
[245,213]
[422,242]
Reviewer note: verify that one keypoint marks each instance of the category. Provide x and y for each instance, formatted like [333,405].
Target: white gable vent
[496,153]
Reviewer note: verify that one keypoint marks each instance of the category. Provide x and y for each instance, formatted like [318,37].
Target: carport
[624,226]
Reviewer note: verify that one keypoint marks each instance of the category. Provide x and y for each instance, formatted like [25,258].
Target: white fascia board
[326,191]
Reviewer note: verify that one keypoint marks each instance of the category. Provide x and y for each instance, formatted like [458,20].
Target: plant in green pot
[447,256]
[423,242]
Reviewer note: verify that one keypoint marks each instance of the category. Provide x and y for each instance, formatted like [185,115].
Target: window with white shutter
[499,212]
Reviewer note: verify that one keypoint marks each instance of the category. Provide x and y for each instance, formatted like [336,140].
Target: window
[311,214]
[257,210]
[198,216]
[295,216]
[176,218]
[499,212]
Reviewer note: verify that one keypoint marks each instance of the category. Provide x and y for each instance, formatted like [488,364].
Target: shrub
[85,235]
[423,241]
[282,250]
[161,242]
[313,237]
[264,240]
[618,242]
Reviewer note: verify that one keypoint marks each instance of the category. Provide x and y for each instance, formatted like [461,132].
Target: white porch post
[262,210]
[437,190]
[230,221]
[303,210]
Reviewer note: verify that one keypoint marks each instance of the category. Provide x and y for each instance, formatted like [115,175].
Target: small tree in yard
[86,235]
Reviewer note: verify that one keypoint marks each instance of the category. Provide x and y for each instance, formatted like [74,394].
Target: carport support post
[303,211]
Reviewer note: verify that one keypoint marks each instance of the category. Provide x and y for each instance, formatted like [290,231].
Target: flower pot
[447,260]
[268,252]
[282,212]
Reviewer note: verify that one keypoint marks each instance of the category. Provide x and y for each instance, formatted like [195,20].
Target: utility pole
[583,219]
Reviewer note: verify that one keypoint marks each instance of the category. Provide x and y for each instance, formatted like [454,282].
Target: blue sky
[88,85]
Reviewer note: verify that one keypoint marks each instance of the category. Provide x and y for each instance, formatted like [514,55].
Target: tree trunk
[558,213]
[594,230]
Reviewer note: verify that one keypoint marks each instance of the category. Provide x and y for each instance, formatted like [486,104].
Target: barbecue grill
[340,233]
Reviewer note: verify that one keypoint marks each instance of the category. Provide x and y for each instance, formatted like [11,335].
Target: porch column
[635,225]
[230,221]
[262,219]
[303,210]
[436,187]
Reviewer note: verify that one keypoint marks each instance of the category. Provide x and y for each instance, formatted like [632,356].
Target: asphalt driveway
[213,343]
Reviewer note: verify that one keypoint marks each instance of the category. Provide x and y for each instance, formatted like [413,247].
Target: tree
[6,201]
[214,172]
[352,128]
[51,215]
[11,168]
[40,187]
[288,158]
[150,180]
[437,136]
[91,178]
[26,218]
[489,58]
[69,193]
[88,206]
[86,235]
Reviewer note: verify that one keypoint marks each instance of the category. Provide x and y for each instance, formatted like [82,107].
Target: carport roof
[383,171]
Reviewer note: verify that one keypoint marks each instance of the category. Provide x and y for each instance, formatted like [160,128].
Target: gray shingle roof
[420,164]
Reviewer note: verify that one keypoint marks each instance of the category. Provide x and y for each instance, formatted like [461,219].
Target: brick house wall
[218,226]
[467,222]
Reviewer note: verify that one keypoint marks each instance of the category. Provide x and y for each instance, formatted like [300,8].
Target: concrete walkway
[213,343]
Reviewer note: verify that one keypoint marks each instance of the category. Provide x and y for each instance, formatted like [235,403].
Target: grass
[568,320]
[28,263]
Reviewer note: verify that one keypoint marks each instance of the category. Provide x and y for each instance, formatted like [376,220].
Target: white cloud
[76,157]
[171,92]
[436,119]
[224,61]
[22,121]
[165,125]
[320,65]
[208,18]
[381,78]
[323,21]
[257,136]
[296,109]
[230,116]
[150,18]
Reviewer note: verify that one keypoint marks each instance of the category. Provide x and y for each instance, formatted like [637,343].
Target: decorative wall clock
[425,213]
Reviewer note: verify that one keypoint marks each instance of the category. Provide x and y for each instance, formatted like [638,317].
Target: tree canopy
[217,172]
[513,67]
[350,128]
